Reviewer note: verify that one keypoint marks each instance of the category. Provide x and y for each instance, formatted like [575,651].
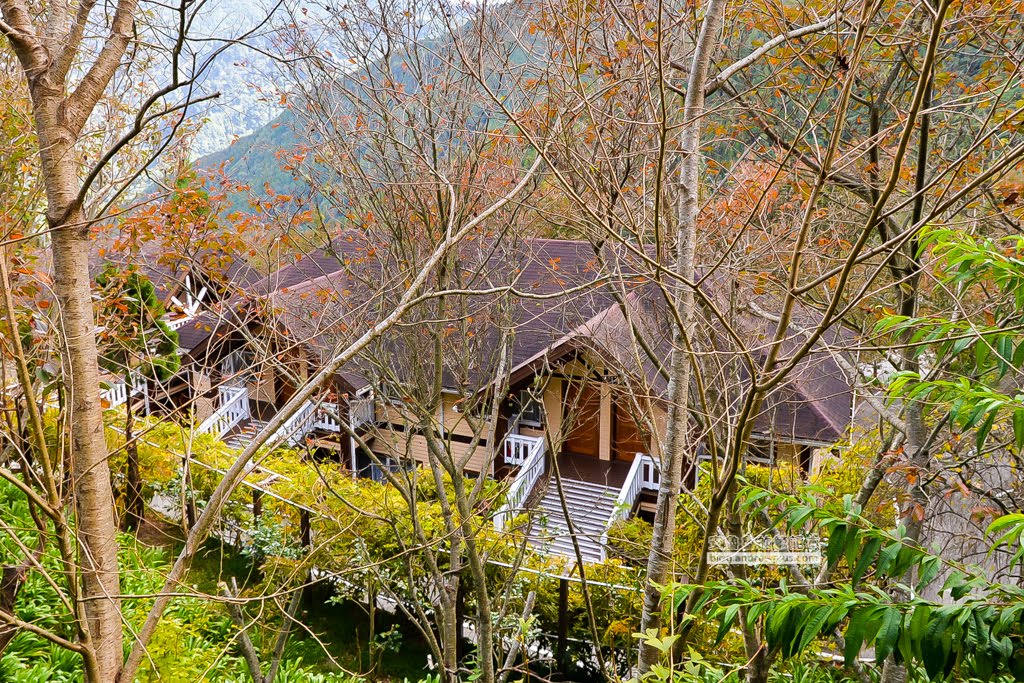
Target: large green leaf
[888,633]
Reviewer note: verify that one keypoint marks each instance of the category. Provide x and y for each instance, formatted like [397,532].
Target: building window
[529,410]
[392,465]
[239,365]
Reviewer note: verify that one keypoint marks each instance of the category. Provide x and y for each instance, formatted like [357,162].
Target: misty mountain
[256,157]
[243,73]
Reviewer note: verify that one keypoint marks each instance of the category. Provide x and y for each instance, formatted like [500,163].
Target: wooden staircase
[590,506]
[242,436]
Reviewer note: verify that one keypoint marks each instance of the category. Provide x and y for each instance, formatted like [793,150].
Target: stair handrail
[292,431]
[526,478]
[637,480]
[233,409]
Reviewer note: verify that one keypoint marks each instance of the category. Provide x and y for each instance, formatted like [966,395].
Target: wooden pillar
[605,444]
[306,534]
[561,660]
[554,403]
[257,505]
[305,531]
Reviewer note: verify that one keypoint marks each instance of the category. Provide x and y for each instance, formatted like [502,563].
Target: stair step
[589,506]
[578,502]
[589,551]
[243,437]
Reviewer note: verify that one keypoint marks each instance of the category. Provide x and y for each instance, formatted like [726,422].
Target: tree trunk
[96,524]
[659,562]
[484,625]
[135,507]
[916,445]
[912,513]
[59,120]
[94,496]
[306,538]
[10,585]
[460,618]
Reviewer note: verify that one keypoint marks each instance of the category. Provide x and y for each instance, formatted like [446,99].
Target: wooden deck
[589,469]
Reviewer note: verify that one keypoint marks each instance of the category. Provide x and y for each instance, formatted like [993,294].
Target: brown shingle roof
[559,300]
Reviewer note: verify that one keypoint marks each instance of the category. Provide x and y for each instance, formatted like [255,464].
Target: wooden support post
[563,625]
[305,531]
[306,534]
[257,505]
[605,425]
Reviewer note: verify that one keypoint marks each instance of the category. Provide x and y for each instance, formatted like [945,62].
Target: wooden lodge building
[531,364]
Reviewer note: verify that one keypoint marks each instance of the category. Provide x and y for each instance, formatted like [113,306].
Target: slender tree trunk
[11,579]
[59,119]
[135,508]
[484,626]
[659,562]
[758,665]
[371,636]
[460,618]
[94,497]
[90,472]
[916,445]
[561,646]
[912,513]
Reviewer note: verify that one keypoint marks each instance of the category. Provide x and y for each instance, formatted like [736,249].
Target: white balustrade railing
[643,475]
[361,411]
[117,394]
[526,478]
[650,474]
[518,448]
[297,426]
[233,409]
[178,323]
[236,368]
[326,417]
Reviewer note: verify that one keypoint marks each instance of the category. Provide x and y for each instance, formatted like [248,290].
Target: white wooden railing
[234,409]
[317,415]
[643,475]
[361,411]
[236,369]
[117,394]
[297,426]
[326,417]
[178,323]
[518,448]
[526,478]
